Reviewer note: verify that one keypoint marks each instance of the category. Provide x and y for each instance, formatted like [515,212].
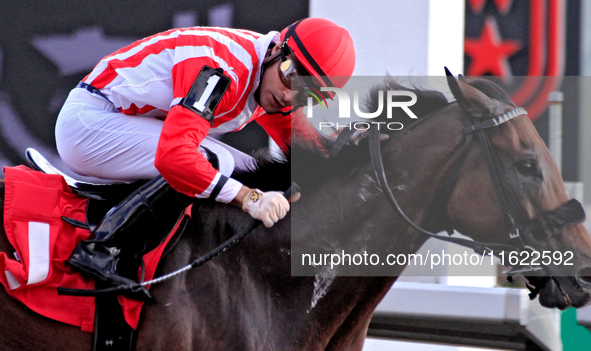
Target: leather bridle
[512,211]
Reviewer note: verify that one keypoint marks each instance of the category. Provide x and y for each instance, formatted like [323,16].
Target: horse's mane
[307,163]
[427,101]
[490,89]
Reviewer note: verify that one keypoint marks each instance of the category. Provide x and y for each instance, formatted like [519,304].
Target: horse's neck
[418,166]
[257,272]
[355,210]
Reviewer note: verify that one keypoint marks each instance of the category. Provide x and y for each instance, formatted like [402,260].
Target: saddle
[101,197]
[111,331]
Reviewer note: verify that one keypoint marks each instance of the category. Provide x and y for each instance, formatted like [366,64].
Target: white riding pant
[95,139]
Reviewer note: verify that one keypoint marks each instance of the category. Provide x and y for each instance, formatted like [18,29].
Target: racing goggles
[295,78]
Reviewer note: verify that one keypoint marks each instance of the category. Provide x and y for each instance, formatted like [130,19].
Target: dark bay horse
[247,298]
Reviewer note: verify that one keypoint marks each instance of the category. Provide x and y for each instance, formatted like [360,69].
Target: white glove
[268,207]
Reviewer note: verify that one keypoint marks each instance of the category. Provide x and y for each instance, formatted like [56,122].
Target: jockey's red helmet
[323,48]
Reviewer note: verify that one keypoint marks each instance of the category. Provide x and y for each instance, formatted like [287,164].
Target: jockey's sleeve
[281,128]
[182,165]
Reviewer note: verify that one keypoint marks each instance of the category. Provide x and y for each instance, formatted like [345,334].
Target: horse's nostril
[585,274]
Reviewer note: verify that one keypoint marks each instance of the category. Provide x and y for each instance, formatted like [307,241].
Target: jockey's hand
[269,207]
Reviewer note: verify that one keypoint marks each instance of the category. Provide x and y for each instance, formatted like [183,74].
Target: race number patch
[206,92]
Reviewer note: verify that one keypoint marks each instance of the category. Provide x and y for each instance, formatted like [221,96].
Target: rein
[241,234]
[376,159]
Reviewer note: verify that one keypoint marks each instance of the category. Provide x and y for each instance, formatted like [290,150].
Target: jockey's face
[274,95]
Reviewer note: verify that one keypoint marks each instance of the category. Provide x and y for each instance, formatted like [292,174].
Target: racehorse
[247,298]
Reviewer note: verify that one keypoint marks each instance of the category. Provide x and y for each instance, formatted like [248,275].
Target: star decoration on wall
[502,6]
[490,53]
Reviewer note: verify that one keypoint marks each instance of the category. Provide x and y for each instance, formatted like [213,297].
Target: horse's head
[526,206]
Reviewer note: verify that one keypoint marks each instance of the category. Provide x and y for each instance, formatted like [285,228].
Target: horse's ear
[472,100]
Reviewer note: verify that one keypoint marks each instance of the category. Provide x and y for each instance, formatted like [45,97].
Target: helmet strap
[270,57]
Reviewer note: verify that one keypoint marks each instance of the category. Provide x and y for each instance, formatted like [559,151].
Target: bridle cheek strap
[552,221]
[376,159]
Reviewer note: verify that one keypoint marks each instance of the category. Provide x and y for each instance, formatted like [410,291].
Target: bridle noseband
[509,205]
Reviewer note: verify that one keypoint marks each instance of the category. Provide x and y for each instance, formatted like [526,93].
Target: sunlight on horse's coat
[400,187]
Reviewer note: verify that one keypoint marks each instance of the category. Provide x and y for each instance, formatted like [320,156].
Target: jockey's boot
[128,231]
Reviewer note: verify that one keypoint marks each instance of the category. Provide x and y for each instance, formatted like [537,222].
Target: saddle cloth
[42,241]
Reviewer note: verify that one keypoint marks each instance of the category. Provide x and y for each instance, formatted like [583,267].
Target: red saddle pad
[42,241]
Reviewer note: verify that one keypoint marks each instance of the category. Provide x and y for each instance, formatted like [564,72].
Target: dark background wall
[47,47]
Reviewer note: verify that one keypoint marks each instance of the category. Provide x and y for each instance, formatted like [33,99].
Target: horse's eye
[528,167]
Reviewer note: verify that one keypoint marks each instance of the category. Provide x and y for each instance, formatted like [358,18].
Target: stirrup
[134,290]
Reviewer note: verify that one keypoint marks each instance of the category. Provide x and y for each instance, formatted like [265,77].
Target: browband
[495,121]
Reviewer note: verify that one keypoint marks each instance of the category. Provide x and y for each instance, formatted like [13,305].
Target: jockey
[148,110]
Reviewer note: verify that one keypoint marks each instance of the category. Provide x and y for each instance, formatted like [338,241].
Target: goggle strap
[271,58]
[285,49]
[291,33]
